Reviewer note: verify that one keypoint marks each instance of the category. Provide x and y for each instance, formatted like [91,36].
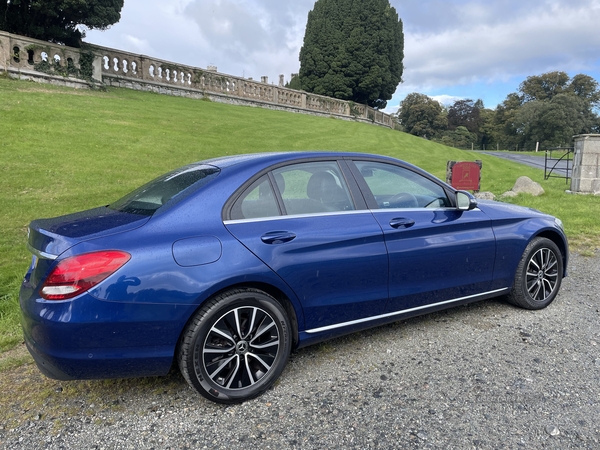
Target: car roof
[274,157]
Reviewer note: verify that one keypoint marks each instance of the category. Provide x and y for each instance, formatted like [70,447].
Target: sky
[453,49]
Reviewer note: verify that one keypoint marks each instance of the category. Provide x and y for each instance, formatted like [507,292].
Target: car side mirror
[465,201]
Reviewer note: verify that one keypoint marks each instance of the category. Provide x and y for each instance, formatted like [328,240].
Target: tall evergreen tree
[353,50]
[57,20]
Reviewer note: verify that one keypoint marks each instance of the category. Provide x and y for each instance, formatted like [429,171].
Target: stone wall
[31,59]
[586,164]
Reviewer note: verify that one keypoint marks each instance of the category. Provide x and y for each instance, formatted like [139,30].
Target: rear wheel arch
[269,289]
[282,299]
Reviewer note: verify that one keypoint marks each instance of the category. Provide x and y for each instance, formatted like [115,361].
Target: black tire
[539,275]
[236,346]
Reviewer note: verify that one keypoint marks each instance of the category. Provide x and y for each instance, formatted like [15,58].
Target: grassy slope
[63,150]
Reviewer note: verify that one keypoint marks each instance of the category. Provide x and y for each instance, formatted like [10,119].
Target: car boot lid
[48,238]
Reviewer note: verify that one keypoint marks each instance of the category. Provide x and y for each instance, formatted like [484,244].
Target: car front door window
[397,187]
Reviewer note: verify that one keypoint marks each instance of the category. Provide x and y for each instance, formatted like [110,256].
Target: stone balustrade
[27,58]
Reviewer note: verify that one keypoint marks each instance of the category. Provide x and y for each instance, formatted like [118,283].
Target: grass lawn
[64,150]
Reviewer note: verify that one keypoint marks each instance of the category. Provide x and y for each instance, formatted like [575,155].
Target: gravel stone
[482,376]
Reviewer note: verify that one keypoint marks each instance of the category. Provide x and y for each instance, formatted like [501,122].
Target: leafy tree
[465,113]
[550,108]
[422,116]
[545,86]
[586,88]
[57,20]
[294,83]
[504,120]
[487,131]
[554,122]
[353,50]
[458,138]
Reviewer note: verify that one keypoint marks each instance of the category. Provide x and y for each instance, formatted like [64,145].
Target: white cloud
[138,45]
[446,100]
[542,40]
[254,37]
[476,44]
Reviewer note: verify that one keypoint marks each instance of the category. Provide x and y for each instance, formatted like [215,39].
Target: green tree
[550,109]
[554,122]
[486,132]
[544,87]
[420,115]
[465,113]
[57,20]
[294,83]
[353,50]
[458,138]
[586,88]
[504,120]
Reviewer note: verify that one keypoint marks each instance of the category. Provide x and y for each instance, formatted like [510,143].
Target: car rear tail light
[77,274]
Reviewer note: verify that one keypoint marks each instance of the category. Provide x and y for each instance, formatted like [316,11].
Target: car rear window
[151,196]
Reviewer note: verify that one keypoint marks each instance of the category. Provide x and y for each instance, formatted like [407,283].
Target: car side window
[256,201]
[398,187]
[313,187]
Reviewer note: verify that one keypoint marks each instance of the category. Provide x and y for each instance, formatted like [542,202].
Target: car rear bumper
[87,338]
[97,366]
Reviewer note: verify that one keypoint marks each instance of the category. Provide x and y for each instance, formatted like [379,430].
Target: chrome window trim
[296,216]
[404,311]
[40,254]
[418,208]
[333,213]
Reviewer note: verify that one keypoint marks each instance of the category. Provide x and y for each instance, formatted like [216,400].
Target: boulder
[528,186]
[485,195]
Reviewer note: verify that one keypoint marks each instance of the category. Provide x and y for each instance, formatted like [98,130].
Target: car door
[304,223]
[437,253]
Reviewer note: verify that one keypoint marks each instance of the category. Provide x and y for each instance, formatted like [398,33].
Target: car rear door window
[314,187]
[256,201]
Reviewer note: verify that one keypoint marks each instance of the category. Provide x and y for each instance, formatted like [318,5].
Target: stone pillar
[281,80]
[586,164]
[97,68]
[4,51]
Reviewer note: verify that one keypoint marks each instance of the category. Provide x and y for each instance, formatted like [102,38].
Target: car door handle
[277,237]
[401,222]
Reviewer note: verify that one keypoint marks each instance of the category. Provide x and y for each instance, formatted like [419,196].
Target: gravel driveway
[483,376]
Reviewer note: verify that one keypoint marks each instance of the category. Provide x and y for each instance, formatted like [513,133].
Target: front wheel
[538,276]
[236,346]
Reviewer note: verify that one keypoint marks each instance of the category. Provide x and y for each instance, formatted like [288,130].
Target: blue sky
[454,49]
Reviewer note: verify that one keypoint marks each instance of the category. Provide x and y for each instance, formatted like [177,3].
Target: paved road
[537,161]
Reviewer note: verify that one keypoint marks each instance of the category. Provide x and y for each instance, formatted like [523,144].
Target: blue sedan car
[226,265]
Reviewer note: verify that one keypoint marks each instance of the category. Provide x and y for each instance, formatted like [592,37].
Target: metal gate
[558,163]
